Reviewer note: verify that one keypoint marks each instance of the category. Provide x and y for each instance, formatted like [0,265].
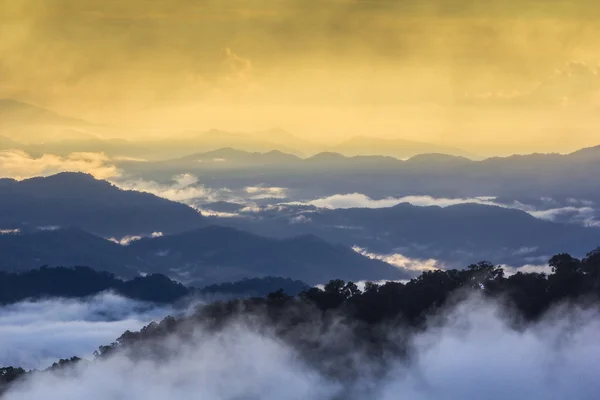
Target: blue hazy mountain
[198,258]
[461,233]
[79,200]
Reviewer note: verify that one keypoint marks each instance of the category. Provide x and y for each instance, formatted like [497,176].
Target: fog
[18,164]
[402,261]
[419,265]
[471,351]
[34,334]
[359,200]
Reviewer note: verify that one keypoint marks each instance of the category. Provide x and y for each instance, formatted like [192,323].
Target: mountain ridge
[200,257]
[78,199]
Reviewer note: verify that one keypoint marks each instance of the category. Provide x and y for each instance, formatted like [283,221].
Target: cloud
[251,208]
[266,192]
[220,214]
[34,334]
[186,188]
[576,84]
[239,363]
[183,188]
[237,69]
[300,219]
[585,216]
[419,265]
[527,269]
[127,240]
[524,251]
[400,261]
[470,351]
[20,165]
[359,200]
[326,68]
[10,231]
[48,228]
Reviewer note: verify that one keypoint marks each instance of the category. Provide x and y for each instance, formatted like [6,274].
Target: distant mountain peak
[593,151]
[75,178]
[226,152]
[97,206]
[327,155]
[236,156]
[394,147]
[437,158]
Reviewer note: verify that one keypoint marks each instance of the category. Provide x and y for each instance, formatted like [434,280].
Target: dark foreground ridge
[374,318]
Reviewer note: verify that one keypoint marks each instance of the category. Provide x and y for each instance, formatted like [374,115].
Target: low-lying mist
[34,334]
[475,349]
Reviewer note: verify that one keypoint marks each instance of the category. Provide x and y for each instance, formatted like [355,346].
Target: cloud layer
[401,261]
[359,200]
[470,351]
[183,188]
[36,334]
[576,211]
[18,164]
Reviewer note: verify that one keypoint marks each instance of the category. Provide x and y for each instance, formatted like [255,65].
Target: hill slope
[224,254]
[79,200]
[198,258]
[462,233]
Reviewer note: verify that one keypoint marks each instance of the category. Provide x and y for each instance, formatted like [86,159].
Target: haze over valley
[333,199]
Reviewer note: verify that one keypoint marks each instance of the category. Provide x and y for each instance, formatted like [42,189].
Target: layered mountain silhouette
[556,176]
[443,162]
[79,200]
[215,139]
[65,247]
[82,282]
[38,130]
[462,233]
[224,254]
[398,148]
[198,258]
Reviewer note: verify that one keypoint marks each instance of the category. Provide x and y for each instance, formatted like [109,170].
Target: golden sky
[490,76]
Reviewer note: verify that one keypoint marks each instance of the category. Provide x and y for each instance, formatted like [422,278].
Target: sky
[492,77]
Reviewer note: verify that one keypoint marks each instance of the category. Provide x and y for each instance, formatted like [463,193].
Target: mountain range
[458,234]
[524,178]
[38,130]
[198,258]
[398,148]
